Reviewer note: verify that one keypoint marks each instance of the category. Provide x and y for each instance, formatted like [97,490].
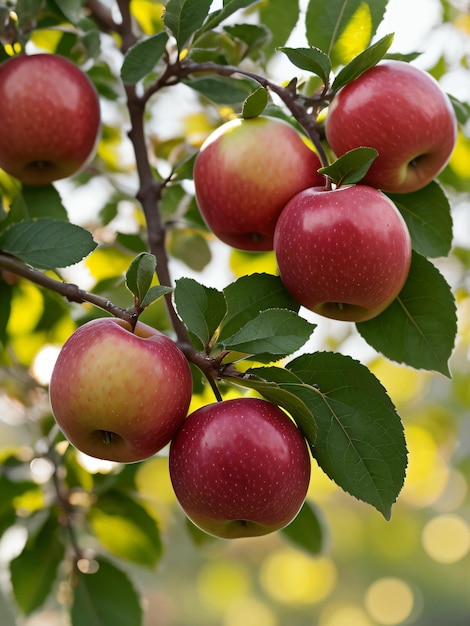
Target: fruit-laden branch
[71,292]
[212,368]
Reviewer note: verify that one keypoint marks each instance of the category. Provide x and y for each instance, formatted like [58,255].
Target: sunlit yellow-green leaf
[149,14]
[355,37]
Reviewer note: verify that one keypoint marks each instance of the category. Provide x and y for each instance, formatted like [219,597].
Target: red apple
[119,395]
[240,468]
[403,113]
[245,173]
[343,253]
[50,117]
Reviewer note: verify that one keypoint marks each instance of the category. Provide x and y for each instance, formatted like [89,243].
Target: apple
[50,117]
[239,468]
[120,395]
[344,253]
[245,173]
[402,112]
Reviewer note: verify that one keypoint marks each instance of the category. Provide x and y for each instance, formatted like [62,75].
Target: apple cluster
[343,252]
[239,467]
[50,118]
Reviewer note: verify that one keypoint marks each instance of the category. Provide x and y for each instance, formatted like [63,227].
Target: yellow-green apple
[344,253]
[50,118]
[240,468]
[403,113]
[244,174]
[120,395]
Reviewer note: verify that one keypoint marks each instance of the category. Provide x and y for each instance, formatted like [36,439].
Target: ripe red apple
[245,173]
[343,253]
[240,468]
[119,395]
[403,113]
[50,118]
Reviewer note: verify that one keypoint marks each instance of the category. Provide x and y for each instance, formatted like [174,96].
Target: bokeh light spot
[344,614]
[389,601]
[250,611]
[446,538]
[292,577]
[221,583]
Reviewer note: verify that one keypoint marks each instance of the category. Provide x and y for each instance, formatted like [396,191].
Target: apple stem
[107,436]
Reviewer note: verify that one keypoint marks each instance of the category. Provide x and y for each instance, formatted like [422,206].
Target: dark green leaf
[201,308]
[360,442]
[273,334]
[33,571]
[71,9]
[141,59]
[420,326]
[253,36]
[307,530]
[364,61]
[255,104]
[105,597]
[228,9]
[278,385]
[126,529]
[249,295]
[6,294]
[351,167]
[47,243]
[222,89]
[191,247]
[140,274]
[427,214]
[154,294]
[461,109]
[184,17]
[310,59]
[44,201]
[280,17]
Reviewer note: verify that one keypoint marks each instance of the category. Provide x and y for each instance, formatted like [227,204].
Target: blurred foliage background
[414,569]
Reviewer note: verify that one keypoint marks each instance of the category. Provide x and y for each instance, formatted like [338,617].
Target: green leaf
[279,386]
[360,442]
[155,293]
[47,243]
[11,489]
[140,274]
[141,58]
[126,529]
[420,326]
[343,28]
[427,214]
[255,104]
[280,17]
[248,296]
[184,17]
[325,21]
[71,9]
[222,89]
[43,201]
[351,167]
[191,247]
[307,530]
[229,8]
[364,61]
[105,597]
[273,334]
[33,571]
[254,36]
[6,295]
[310,59]
[201,308]
[461,109]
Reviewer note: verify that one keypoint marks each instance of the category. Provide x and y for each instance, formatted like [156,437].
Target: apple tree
[162,228]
